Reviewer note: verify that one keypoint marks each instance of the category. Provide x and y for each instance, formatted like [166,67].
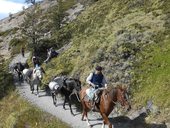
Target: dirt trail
[135,119]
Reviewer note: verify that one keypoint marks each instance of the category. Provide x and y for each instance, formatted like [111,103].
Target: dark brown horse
[65,86]
[108,100]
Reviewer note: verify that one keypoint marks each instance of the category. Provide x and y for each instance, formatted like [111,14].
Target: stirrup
[95,99]
[93,108]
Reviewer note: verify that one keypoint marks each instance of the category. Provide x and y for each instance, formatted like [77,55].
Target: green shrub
[6,80]
[16,45]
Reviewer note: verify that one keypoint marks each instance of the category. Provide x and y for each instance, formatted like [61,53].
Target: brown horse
[108,100]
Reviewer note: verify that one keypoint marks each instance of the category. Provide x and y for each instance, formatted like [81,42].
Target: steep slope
[10,29]
[129,38]
[118,35]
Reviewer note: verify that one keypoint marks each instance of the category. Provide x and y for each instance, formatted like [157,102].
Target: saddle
[90,93]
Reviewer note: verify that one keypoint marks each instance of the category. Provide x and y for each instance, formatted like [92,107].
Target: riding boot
[93,105]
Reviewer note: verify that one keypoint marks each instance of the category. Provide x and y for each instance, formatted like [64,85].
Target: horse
[18,68]
[108,99]
[67,87]
[27,73]
[36,78]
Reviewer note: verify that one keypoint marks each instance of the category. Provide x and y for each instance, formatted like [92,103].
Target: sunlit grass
[154,76]
[15,112]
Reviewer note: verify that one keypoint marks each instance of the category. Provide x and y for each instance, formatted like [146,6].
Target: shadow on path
[138,122]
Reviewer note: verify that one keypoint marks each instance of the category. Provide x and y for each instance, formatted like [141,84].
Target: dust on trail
[134,119]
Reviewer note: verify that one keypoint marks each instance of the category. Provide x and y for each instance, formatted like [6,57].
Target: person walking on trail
[35,61]
[18,68]
[23,51]
[96,80]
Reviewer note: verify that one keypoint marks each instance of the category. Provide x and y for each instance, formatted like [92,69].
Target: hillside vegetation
[130,39]
[16,112]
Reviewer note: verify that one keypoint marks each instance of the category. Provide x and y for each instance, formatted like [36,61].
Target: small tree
[57,16]
[30,25]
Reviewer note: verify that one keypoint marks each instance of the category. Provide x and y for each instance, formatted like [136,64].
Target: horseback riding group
[97,96]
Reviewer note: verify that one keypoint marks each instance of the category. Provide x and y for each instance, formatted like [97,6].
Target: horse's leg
[32,87]
[84,115]
[38,90]
[69,102]
[103,125]
[19,79]
[21,76]
[106,120]
[54,98]
[87,120]
[55,95]
[64,102]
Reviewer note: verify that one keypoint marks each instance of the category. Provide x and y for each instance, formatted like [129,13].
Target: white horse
[37,76]
[27,72]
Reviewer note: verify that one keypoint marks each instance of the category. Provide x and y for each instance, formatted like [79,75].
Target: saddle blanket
[90,93]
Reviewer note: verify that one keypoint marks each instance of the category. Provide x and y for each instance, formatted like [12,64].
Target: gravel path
[134,119]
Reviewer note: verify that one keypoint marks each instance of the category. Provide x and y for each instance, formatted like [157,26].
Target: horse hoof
[89,126]
[55,104]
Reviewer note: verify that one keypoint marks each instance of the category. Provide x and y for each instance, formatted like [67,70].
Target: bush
[16,45]
[6,80]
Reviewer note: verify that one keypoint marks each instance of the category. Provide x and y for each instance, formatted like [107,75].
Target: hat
[98,68]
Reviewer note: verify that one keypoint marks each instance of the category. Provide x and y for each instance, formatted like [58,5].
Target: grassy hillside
[151,79]
[15,112]
[128,39]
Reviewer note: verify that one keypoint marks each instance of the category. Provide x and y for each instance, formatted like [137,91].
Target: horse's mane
[112,89]
[118,86]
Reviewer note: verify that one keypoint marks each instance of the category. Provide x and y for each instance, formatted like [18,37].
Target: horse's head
[72,84]
[37,73]
[122,97]
[78,84]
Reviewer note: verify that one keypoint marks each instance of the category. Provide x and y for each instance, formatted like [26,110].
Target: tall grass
[17,113]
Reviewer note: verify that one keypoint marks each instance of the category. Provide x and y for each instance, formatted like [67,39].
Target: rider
[35,61]
[37,67]
[96,80]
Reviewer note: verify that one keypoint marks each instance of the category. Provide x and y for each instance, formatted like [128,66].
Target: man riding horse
[37,76]
[96,80]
